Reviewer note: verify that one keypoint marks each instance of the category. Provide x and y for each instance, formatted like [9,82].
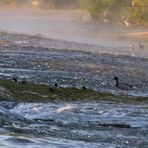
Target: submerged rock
[116,125]
[66,108]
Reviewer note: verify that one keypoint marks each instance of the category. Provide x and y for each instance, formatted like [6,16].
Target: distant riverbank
[65,28]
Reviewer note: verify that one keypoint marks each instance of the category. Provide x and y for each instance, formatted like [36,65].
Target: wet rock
[45,120]
[67,108]
[115,125]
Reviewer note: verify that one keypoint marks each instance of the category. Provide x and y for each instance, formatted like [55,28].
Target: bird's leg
[118,91]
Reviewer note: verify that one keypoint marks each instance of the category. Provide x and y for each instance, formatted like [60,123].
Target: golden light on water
[35,3]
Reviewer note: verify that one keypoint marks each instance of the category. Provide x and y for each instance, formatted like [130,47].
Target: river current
[82,55]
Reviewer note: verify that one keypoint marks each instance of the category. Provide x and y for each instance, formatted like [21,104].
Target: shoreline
[47,61]
[38,40]
[31,92]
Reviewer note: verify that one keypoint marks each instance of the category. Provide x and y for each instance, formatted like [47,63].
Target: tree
[135,11]
[59,3]
[96,8]
[138,12]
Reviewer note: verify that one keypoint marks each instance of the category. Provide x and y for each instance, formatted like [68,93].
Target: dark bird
[122,86]
[52,89]
[141,46]
[56,85]
[14,79]
[83,87]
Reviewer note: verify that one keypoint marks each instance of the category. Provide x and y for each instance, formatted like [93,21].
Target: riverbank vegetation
[30,92]
[128,12]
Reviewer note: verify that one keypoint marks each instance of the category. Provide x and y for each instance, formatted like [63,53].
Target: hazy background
[69,4]
[64,19]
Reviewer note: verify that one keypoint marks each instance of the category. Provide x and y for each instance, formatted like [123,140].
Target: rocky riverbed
[38,114]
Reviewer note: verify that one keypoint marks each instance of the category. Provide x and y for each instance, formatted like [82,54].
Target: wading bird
[122,86]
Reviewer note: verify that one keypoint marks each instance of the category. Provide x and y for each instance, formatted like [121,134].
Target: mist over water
[71,25]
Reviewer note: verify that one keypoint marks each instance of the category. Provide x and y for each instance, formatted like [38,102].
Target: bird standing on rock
[122,86]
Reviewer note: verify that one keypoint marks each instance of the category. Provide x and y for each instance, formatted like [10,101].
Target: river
[86,124]
[66,50]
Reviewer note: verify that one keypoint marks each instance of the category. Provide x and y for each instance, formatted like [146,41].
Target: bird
[55,85]
[122,86]
[14,79]
[141,46]
[52,89]
[83,87]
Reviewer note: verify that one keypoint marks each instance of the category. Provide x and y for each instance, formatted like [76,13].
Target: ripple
[75,68]
[79,124]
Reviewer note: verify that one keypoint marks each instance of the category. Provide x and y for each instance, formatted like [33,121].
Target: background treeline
[42,3]
[133,12]
[127,11]
[60,4]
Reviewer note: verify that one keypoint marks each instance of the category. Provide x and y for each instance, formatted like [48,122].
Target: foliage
[135,11]
[45,3]
[139,15]
[59,3]
[96,8]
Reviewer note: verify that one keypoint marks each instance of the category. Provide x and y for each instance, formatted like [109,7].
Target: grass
[40,93]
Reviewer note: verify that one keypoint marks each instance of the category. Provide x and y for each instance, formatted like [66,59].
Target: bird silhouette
[14,79]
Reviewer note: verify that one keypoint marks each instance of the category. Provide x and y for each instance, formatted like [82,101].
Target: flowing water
[74,68]
[42,60]
[76,124]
